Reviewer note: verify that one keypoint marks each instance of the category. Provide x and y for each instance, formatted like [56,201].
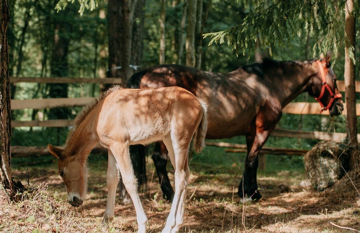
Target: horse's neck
[293,81]
[83,140]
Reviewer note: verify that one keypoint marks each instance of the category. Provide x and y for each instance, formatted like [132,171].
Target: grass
[212,203]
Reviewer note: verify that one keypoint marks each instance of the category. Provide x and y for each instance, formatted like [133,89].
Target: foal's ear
[56,151]
[327,59]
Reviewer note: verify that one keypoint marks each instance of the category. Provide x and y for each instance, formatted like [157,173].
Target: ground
[212,204]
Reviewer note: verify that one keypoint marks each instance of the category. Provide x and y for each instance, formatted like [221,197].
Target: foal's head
[324,88]
[73,171]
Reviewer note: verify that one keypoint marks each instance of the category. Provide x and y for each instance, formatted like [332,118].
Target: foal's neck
[82,140]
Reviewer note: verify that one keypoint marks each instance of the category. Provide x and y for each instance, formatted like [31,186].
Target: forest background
[45,42]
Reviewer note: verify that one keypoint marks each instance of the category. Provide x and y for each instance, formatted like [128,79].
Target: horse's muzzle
[336,108]
[76,202]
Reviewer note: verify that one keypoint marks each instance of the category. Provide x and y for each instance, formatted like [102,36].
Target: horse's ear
[321,56]
[56,151]
[327,59]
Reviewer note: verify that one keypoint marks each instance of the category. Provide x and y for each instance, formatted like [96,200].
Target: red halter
[325,86]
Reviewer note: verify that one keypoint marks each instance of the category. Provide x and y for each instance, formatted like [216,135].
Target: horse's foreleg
[122,156]
[112,179]
[160,160]
[248,186]
[264,123]
[137,154]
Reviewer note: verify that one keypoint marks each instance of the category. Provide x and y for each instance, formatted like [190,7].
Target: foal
[124,117]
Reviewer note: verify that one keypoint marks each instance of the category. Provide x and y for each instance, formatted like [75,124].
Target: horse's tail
[135,79]
[199,138]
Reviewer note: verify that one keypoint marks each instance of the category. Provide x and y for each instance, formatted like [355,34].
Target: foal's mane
[82,115]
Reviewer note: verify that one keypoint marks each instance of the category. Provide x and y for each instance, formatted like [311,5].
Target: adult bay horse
[247,101]
[124,117]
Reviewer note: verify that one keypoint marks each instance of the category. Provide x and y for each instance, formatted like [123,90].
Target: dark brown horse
[247,101]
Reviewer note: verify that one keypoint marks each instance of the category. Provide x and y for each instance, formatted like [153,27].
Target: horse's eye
[61,173]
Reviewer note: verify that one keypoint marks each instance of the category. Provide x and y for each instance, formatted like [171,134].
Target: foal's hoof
[106,220]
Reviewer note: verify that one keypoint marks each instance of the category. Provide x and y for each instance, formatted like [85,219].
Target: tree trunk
[5,114]
[115,30]
[198,34]
[190,33]
[162,32]
[182,34]
[138,161]
[11,42]
[349,76]
[138,35]
[59,60]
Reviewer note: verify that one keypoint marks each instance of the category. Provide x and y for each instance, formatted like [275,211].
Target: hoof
[106,220]
[256,196]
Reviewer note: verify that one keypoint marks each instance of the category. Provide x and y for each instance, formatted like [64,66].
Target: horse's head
[324,87]
[73,171]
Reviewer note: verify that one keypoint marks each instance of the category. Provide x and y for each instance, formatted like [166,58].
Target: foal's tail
[199,138]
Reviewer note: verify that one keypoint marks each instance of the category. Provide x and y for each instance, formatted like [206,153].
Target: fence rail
[340,84]
[292,108]
[66,80]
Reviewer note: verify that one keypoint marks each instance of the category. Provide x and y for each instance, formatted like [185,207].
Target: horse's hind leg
[160,160]
[179,157]
[122,156]
[112,179]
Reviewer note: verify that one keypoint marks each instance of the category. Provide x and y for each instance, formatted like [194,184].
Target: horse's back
[144,116]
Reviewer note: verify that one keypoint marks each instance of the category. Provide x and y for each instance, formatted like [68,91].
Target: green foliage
[276,23]
[84,4]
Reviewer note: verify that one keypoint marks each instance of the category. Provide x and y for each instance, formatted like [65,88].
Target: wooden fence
[292,108]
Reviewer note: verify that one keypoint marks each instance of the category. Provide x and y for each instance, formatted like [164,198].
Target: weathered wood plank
[292,108]
[273,152]
[341,86]
[50,103]
[242,147]
[65,80]
[311,108]
[37,151]
[48,123]
[337,137]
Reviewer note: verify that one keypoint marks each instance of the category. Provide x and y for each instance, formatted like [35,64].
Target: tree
[10,187]
[120,28]
[59,59]
[162,32]
[190,33]
[182,33]
[349,76]
[138,34]
[198,34]
[114,33]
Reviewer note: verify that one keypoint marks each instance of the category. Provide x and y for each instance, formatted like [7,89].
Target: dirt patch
[212,206]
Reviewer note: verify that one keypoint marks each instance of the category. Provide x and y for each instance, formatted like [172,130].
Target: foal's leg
[137,154]
[112,179]
[160,158]
[179,157]
[122,156]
